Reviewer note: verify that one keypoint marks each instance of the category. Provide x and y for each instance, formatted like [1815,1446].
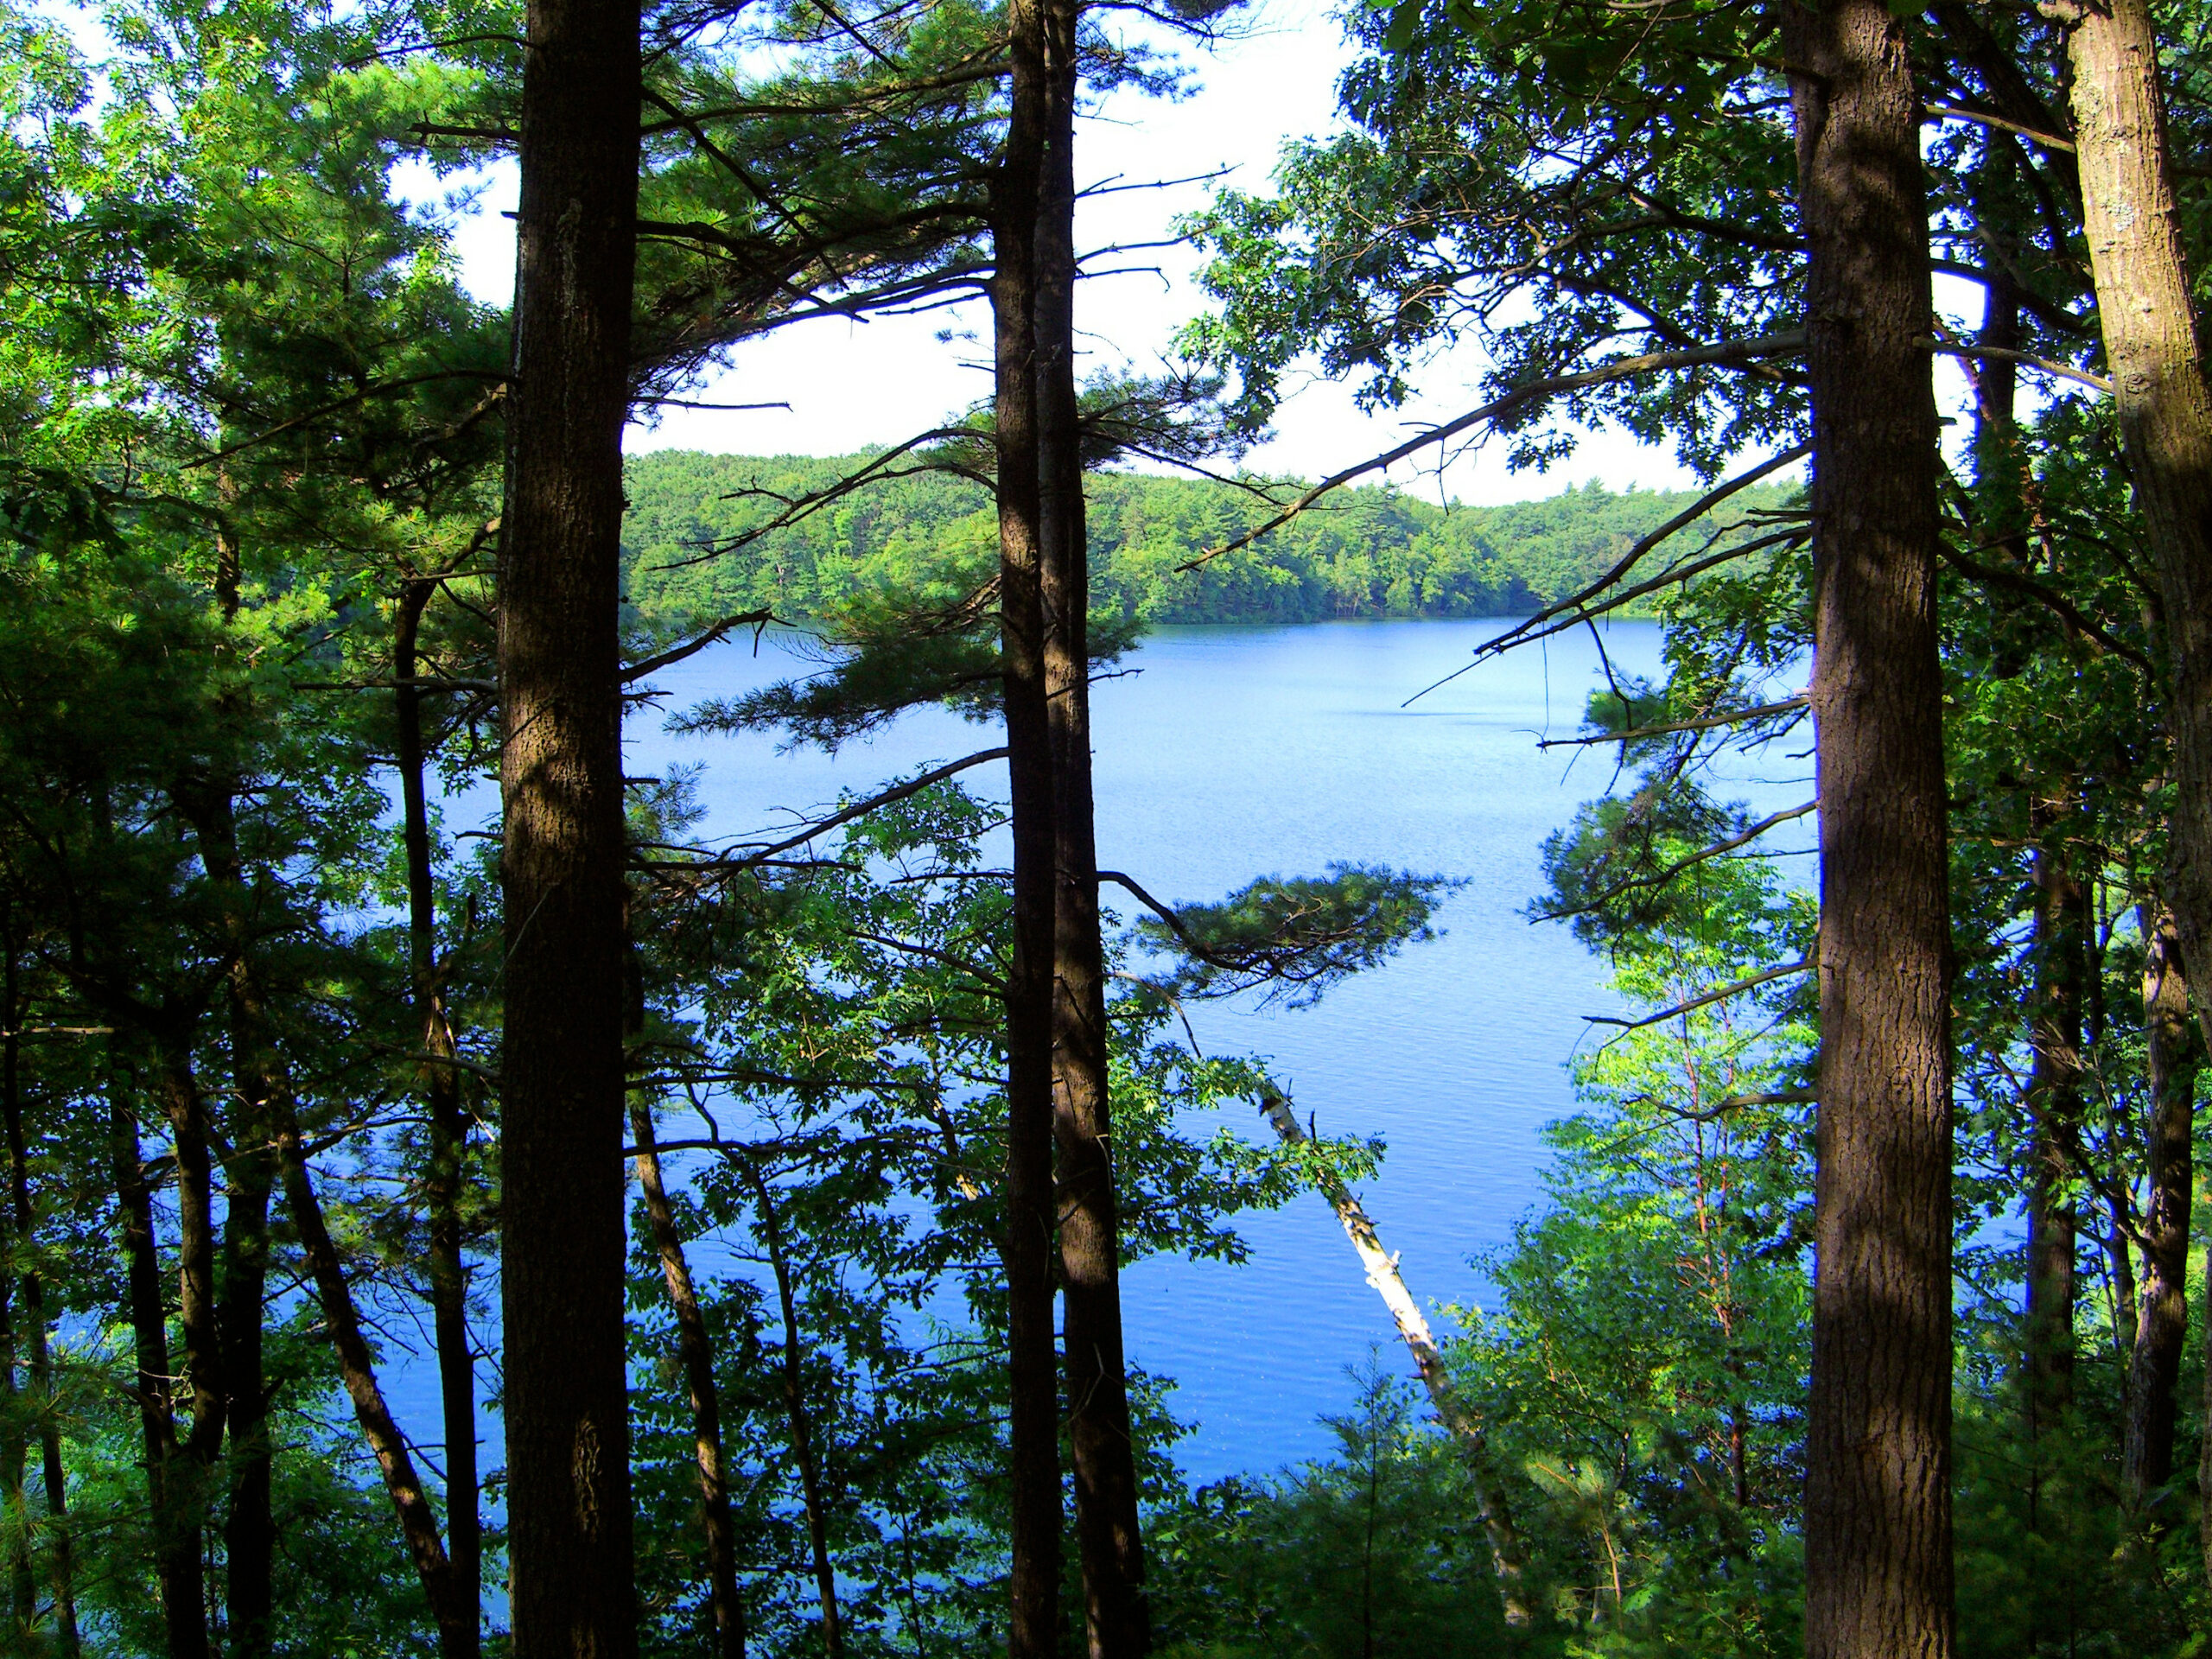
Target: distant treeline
[1369,552]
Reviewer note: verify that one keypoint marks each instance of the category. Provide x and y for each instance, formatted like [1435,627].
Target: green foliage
[1296,936]
[1366,552]
[1375,1554]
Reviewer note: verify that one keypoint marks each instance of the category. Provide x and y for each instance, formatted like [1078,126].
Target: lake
[1229,753]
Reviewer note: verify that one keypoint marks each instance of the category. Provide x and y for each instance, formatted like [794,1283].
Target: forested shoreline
[1372,552]
[774,1187]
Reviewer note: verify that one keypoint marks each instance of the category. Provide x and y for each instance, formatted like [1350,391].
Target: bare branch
[1750,982]
[1726,351]
[1732,717]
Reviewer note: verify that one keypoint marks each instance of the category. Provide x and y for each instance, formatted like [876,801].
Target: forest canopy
[460,1193]
[1373,551]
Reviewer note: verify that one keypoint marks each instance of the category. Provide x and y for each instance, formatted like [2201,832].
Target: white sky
[852,385]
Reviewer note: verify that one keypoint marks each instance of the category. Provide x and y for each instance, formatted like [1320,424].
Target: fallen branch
[1506,1545]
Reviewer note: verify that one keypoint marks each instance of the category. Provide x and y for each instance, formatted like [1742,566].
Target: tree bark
[1507,1553]
[418,1525]
[2061,924]
[15,1441]
[62,1570]
[449,1120]
[2162,1320]
[2139,264]
[1033,1474]
[804,1453]
[1877,1500]
[695,1351]
[249,1531]
[1116,1619]
[177,1561]
[572,1590]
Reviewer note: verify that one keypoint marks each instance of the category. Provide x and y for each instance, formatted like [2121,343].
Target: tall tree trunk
[441,1084]
[695,1351]
[15,1454]
[1877,1498]
[456,1616]
[175,1524]
[190,1472]
[1116,1620]
[2162,1321]
[2139,261]
[14,1438]
[1033,1472]
[571,1588]
[804,1453]
[1509,1554]
[249,1531]
[61,1573]
[2055,1118]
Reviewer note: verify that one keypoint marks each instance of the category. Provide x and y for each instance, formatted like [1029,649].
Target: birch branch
[1429,1361]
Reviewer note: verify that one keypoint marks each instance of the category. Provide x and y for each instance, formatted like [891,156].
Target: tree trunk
[14,1451]
[249,1532]
[571,1588]
[2162,1321]
[1033,1474]
[1878,1499]
[175,1524]
[62,1570]
[696,1351]
[442,1191]
[456,1618]
[2055,1120]
[1507,1553]
[804,1453]
[1116,1620]
[2138,259]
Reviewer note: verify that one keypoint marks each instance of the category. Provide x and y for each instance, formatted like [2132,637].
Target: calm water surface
[1235,752]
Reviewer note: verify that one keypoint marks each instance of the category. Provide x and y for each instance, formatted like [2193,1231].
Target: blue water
[1235,752]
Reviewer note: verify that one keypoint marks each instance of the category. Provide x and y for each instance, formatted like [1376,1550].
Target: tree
[561,1071]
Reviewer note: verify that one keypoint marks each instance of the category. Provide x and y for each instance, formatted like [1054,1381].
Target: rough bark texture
[1034,1472]
[2162,1316]
[1116,1620]
[1878,1502]
[562,1098]
[695,1351]
[2138,259]
[176,1536]
[1507,1553]
[449,1120]
[2062,919]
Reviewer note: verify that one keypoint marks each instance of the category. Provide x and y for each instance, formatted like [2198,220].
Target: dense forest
[754,1208]
[1372,551]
